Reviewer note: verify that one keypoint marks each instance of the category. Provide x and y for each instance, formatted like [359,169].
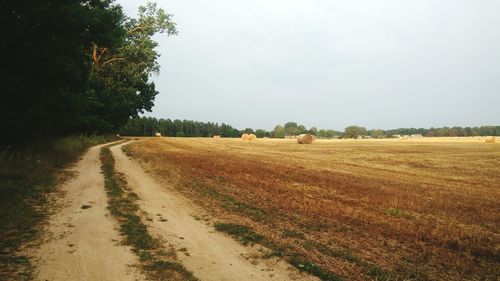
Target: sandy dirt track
[210,255]
[83,243]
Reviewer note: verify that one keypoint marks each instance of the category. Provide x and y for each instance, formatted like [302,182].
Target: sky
[330,63]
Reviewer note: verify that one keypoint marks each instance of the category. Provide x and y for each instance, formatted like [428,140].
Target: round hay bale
[252,137]
[305,139]
[158,135]
[314,138]
[491,139]
[245,137]
[216,137]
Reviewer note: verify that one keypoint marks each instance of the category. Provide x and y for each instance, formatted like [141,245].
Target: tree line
[148,126]
[76,66]
[448,131]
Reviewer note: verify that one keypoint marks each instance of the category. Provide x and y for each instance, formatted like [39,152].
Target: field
[426,209]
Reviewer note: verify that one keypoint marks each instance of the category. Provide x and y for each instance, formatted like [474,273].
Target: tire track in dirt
[84,238]
[210,255]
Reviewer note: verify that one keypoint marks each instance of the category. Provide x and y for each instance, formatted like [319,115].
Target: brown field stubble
[383,209]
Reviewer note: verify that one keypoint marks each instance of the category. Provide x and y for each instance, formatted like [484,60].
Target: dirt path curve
[210,254]
[84,237]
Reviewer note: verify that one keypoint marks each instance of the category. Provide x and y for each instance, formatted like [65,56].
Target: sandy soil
[210,255]
[82,242]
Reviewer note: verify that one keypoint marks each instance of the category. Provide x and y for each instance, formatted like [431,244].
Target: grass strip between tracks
[158,262]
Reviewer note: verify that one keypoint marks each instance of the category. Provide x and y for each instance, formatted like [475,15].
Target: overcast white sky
[330,63]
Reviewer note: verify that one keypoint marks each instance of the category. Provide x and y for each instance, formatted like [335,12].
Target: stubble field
[426,209]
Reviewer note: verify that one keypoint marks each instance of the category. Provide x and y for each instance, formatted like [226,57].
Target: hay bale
[305,139]
[314,138]
[252,137]
[245,137]
[491,139]
[158,135]
[216,137]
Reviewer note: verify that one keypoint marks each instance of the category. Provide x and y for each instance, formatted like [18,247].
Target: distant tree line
[295,129]
[357,131]
[447,131]
[148,126]
[76,67]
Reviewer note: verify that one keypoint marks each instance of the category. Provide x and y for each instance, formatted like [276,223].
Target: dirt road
[82,242]
[210,255]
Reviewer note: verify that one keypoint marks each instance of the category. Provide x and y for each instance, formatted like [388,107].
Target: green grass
[243,233]
[122,203]
[28,173]
[311,268]
[395,212]
[246,236]
[228,202]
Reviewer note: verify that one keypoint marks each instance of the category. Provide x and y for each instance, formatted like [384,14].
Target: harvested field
[351,209]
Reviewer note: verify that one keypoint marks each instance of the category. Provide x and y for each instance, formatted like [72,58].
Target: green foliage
[119,84]
[304,265]
[354,132]
[148,126]
[164,268]
[289,125]
[243,233]
[294,129]
[328,134]
[279,132]
[377,133]
[76,66]
[313,131]
[48,47]
[447,131]
[261,133]
[395,212]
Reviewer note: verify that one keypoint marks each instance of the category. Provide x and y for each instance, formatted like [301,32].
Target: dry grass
[376,209]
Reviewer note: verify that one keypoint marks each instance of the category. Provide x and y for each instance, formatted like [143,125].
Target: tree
[322,133]
[261,133]
[332,134]
[279,132]
[377,133]
[119,84]
[147,126]
[354,132]
[76,66]
[289,125]
[313,131]
[47,67]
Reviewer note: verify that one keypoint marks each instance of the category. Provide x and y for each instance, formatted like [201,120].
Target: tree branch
[135,29]
[112,60]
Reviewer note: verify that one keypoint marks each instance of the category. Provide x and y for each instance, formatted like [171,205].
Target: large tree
[46,62]
[75,66]
[119,85]
[354,132]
